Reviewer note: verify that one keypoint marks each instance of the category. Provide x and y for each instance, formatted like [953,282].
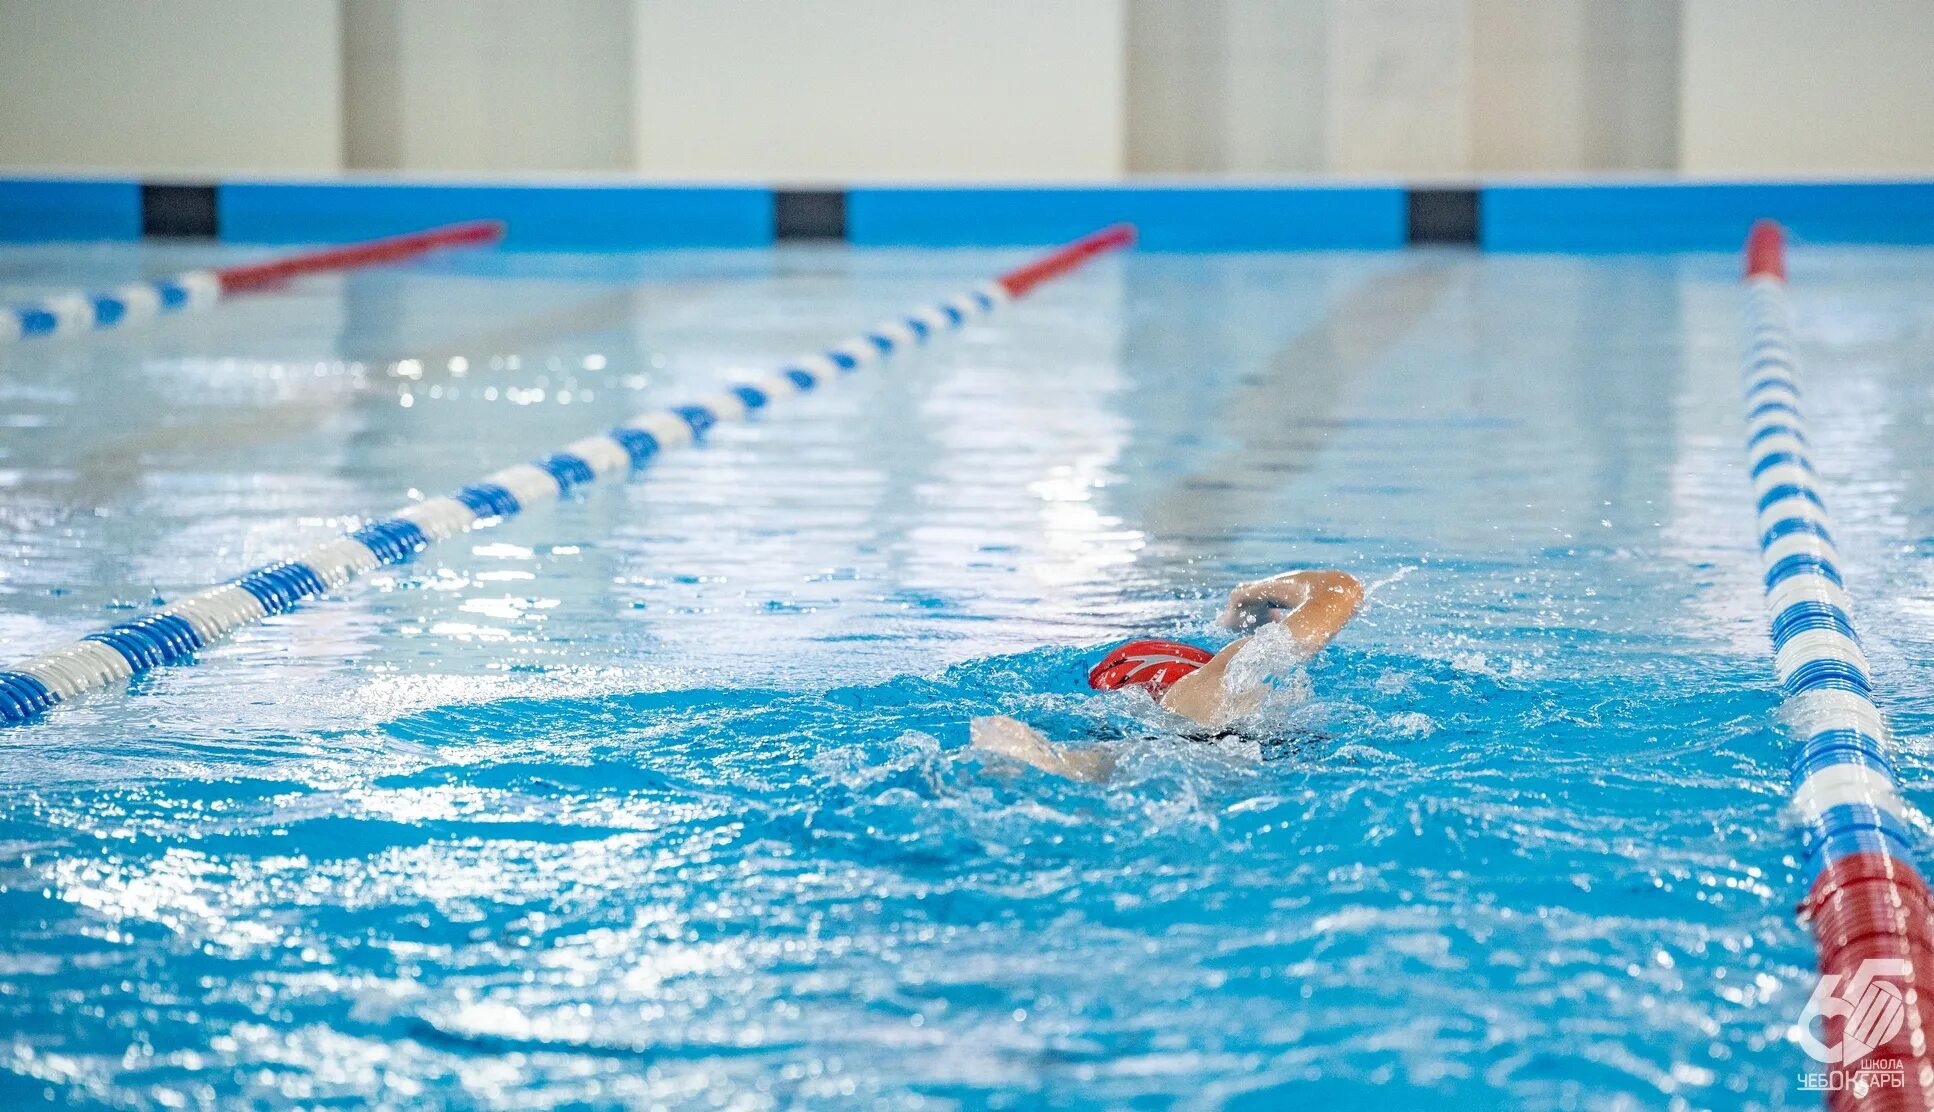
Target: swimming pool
[663,794]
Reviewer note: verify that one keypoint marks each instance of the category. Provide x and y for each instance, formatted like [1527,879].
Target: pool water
[663,796]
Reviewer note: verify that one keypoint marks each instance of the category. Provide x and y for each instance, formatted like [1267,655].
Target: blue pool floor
[663,795]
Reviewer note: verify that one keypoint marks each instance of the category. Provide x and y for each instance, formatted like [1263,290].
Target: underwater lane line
[178,630]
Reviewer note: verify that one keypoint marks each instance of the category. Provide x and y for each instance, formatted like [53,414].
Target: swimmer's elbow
[1340,585]
[1334,598]
[1351,588]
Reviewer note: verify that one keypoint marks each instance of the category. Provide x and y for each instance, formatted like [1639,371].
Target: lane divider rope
[176,631]
[1866,898]
[194,290]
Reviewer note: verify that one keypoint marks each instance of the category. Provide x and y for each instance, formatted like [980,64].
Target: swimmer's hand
[1014,740]
[1251,604]
[1313,604]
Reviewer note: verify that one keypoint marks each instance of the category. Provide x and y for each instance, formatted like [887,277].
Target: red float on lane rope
[1766,251]
[392,249]
[1018,282]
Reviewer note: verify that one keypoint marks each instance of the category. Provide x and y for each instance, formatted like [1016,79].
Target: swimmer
[1311,605]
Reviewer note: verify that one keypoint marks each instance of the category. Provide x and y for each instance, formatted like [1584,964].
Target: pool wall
[1606,215]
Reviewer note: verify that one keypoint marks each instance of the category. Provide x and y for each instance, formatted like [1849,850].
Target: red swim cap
[1155,665]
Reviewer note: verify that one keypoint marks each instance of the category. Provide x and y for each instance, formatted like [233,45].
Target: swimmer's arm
[1312,605]
[1017,741]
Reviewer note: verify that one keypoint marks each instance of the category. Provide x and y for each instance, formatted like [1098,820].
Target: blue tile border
[1173,218]
[40,209]
[1693,216]
[1591,216]
[580,216]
